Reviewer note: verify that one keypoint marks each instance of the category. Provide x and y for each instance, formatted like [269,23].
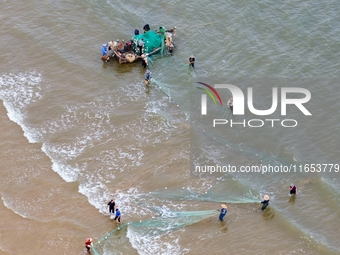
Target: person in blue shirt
[136,31]
[117,218]
[104,49]
[223,212]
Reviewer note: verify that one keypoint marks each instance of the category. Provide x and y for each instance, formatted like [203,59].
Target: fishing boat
[148,43]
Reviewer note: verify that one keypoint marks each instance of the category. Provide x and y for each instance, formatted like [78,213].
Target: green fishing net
[152,40]
[220,197]
[167,221]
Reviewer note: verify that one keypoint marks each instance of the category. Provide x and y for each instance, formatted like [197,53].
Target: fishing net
[177,92]
[147,230]
[114,242]
[180,93]
[152,41]
[169,221]
[185,194]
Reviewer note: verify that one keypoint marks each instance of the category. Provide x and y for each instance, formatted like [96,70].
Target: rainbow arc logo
[204,97]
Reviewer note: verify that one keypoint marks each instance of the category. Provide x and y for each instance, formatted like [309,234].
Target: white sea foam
[17,92]
[19,208]
[135,93]
[4,250]
[152,127]
[147,245]
[128,202]
[8,205]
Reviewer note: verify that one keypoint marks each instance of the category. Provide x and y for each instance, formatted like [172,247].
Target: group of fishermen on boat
[147,43]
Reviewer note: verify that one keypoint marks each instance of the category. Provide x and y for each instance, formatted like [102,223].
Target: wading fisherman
[223,212]
[265,202]
[147,77]
[292,189]
[144,60]
[111,207]
[192,61]
[88,244]
[117,218]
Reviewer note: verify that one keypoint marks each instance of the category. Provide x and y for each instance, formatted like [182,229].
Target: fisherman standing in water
[292,189]
[230,103]
[147,77]
[192,61]
[223,212]
[144,60]
[111,207]
[265,202]
[117,218]
[88,244]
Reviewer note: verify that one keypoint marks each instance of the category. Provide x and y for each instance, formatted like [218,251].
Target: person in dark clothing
[223,212]
[111,207]
[146,28]
[144,61]
[171,48]
[230,103]
[128,46]
[192,61]
[265,202]
[136,31]
[292,189]
[117,218]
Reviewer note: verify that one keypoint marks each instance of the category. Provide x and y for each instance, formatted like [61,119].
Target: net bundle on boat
[152,41]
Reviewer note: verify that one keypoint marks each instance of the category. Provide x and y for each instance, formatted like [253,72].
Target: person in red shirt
[88,244]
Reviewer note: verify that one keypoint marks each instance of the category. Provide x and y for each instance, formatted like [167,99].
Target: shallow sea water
[76,132]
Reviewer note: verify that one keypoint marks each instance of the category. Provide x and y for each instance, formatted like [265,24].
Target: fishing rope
[204,24]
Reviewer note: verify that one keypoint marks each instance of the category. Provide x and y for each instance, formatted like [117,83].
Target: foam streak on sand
[17,92]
